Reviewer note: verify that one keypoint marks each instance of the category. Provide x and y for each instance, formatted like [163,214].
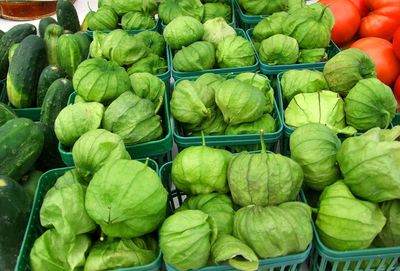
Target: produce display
[275,167]
[289,37]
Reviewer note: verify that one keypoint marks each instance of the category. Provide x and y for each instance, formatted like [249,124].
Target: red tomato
[347,20]
[396,42]
[361,6]
[382,21]
[396,90]
[381,52]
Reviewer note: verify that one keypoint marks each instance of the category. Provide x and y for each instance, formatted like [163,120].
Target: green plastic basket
[332,50]
[373,259]
[159,150]
[233,143]
[284,263]
[34,228]
[29,113]
[245,21]
[177,75]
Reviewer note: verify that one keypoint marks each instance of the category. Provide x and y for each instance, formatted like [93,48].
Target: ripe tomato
[381,51]
[347,20]
[361,6]
[382,21]
[396,91]
[396,42]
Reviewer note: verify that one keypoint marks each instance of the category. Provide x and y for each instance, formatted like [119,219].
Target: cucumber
[67,16]
[84,43]
[69,53]
[53,32]
[1,34]
[55,100]
[44,23]
[49,74]
[15,35]
[12,51]
[24,71]
[6,113]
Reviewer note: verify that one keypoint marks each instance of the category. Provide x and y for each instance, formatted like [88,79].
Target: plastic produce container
[34,228]
[159,150]
[284,263]
[331,51]
[29,113]
[323,258]
[233,143]
[245,21]
[177,74]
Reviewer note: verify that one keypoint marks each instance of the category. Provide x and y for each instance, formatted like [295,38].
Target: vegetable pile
[213,44]
[128,15]
[359,204]
[289,37]
[214,226]
[259,7]
[142,52]
[216,105]
[345,97]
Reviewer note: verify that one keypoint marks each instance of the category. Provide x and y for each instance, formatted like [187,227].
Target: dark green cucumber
[47,77]
[67,16]
[44,23]
[12,51]
[15,35]
[69,53]
[55,100]
[14,215]
[53,32]
[84,43]
[21,142]
[24,71]
[50,158]
[6,113]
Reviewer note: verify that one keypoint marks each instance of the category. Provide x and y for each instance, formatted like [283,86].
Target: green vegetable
[345,222]
[196,57]
[134,119]
[263,178]
[104,18]
[122,48]
[370,164]
[390,234]
[235,252]
[62,205]
[6,113]
[47,77]
[212,80]
[260,7]
[235,51]
[88,16]
[153,40]
[99,80]
[108,147]
[201,170]
[51,36]
[258,81]
[241,102]
[53,251]
[191,102]
[214,10]
[302,81]
[218,206]
[183,31]
[269,26]
[137,20]
[370,103]
[67,16]
[312,55]
[125,6]
[171,9]
[279,50]
[141,204]
[147,86]
[213,125]
[152,63]
[44,23]
[266,123]
[325,107]
[69,53]
[119,253]
[215,30]
[344,70]
[76,119]
[274,231]
[314,147]
[186,238]
[95,45]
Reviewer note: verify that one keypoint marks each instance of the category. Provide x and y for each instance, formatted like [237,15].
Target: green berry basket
[34,228]
[285,263]
[177,74]
[233,143]
[159,150]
